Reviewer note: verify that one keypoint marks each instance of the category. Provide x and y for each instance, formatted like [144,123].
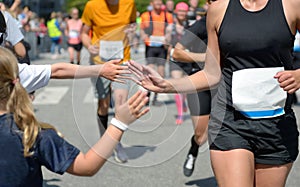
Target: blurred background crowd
[33,16]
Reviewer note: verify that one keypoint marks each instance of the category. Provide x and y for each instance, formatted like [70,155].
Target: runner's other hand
[289,80]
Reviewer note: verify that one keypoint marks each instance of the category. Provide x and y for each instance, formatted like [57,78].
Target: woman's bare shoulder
[216,12]
[292,13]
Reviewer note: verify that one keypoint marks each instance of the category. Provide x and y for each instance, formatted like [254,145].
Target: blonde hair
[14,99]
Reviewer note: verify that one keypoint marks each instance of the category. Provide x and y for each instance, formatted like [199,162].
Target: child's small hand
[133,108]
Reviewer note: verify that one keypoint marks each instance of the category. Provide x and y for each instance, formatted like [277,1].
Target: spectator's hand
[133,108]
[289,80]
[94,50]
[148,78]
[113,71]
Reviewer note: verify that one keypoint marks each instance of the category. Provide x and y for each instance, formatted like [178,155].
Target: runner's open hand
[147,77]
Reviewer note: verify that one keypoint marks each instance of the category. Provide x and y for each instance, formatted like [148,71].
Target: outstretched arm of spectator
[110,70]
[33,77]
[20,50]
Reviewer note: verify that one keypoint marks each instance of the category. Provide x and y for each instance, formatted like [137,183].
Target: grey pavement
[156,146]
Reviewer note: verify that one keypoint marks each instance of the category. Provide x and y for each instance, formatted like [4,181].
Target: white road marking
[90,96]
[50,95]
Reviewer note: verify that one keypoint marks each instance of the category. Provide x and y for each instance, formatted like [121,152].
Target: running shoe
[179,120]
[120,154]
[188,166]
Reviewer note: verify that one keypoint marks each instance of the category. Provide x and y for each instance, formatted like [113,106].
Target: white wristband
[119,124]
[171,55]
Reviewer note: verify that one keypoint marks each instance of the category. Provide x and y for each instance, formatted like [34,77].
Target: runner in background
[174,34]
[109,21]
[170,6]
[153,27]
[195,12]
[191,49]
[55,35]
[72,31]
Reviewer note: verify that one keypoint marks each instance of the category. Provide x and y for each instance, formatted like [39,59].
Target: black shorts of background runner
[273,141]
[199,103]
[77,47]
[156,55]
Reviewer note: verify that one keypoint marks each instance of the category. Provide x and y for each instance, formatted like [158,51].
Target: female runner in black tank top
[244,34]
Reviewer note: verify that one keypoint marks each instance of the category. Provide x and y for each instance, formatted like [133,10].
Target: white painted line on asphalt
[50,95]
[165,97]
[90,96]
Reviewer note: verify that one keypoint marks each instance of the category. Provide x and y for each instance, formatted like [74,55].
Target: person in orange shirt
[109,21]
[153,27]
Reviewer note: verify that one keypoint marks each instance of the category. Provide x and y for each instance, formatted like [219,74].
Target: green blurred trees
[76,3]
[141,5]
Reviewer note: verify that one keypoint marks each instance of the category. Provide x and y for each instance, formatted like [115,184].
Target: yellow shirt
[108,24]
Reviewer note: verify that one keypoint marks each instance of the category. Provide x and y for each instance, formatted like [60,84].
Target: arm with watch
[180,54]
[194,39]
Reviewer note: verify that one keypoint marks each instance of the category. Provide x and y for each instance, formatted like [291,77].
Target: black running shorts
[77,47]
[199,103]
[273,141]
[156,55]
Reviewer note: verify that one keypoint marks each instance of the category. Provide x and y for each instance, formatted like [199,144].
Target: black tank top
[253,40]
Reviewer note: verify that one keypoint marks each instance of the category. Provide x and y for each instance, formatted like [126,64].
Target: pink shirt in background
[74,29]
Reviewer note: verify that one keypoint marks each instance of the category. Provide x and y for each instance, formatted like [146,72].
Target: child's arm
[89,164]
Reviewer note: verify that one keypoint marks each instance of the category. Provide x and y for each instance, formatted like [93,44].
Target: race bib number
[257,94]
[111,50]
[157,41]
[73,34]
